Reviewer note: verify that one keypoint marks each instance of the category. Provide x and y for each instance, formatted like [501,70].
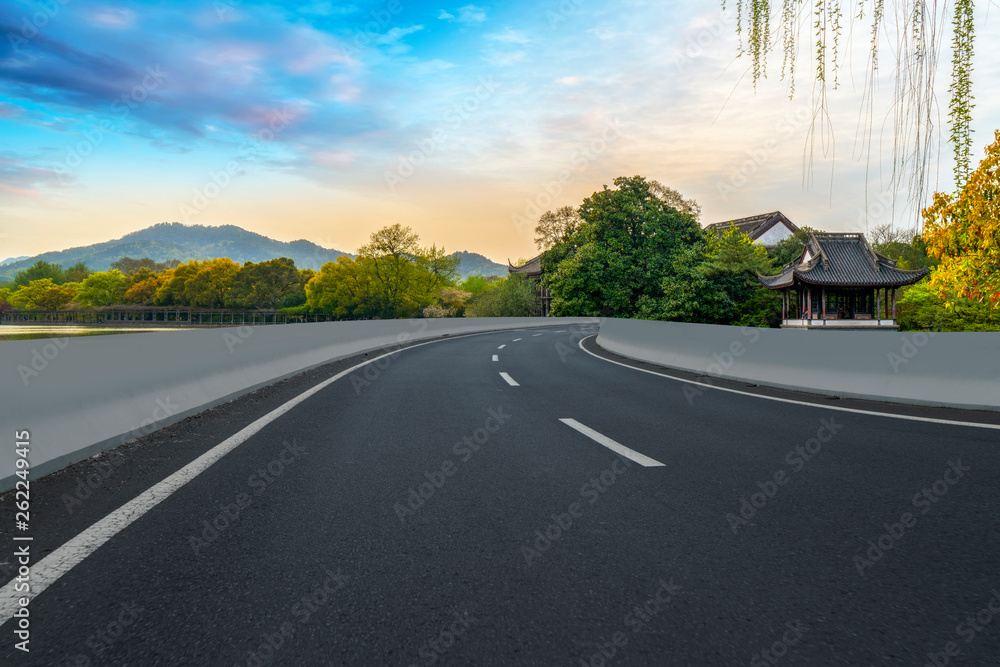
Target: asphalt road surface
[510,498]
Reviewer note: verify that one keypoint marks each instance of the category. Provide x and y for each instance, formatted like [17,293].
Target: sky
[329,120]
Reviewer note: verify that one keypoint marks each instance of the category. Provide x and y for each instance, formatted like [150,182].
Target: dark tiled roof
[755,225]
[843,260]
[533,267]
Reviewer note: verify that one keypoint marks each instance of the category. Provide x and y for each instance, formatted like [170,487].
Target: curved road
[511,498]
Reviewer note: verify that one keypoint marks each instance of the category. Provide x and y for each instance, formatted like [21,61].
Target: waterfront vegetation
[634,250]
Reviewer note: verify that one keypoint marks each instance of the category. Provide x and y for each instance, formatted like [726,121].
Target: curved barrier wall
[82,395]
[949,369]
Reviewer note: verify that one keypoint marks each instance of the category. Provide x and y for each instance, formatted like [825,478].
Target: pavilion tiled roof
[844,260]
[533,267]
[754,225]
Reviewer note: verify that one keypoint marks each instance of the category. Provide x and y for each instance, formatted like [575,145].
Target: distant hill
[474,264]
[172,240]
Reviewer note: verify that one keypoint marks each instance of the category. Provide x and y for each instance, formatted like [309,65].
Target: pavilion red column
[822,303]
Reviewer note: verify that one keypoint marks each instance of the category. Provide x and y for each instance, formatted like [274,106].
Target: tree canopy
[620,252]
[963,232]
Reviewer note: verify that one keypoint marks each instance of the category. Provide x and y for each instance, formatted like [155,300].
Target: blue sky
[329,120]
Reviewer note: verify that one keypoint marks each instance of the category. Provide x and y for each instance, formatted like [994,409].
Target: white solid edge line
[616,447]
[47,571]
[509,379]
[874,413]
[496,357]
[502,346]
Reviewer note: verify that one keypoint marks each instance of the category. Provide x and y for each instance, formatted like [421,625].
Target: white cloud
[508,36]
[471,14]
[466,14]
[393,39]
[568,80]
[430,67]
[111,17]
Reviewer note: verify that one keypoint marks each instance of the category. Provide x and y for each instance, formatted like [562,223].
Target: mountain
[172,240]
[474,264]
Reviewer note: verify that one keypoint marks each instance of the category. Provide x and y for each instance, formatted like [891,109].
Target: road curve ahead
[511,498]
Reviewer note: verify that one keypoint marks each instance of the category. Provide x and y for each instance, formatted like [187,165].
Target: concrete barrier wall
[948,369]
[82,395]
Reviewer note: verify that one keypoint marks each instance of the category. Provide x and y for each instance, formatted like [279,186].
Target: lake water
[27,332]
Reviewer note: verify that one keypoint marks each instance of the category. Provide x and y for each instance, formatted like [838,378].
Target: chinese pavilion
[840,281]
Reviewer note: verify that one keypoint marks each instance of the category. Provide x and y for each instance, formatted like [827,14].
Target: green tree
[42,294]
[921,307]
[513,296]
[621,252]
[209,287]
[104,288]
[267,285]
[553,227]
[172,289]
[39,271]
[390,254]
[345,288]
[77,273]
[128,265]
[474,285]
[789,249]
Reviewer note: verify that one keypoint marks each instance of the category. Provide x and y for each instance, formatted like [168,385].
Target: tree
[921,308]
[42,294]
[129,266]
[675,199]
[172,289]
[732,250]
[918,32]
[963,231]
[622,251]
[789,249]
[39,271]
[716,282]
[513,296]
[344,288]
[733,263]
[909,253]
[451,300]
[104,288]
[143,291]
[552,226]
[267,285]
[474,285]
[391,253]
[209,287]
[77,273]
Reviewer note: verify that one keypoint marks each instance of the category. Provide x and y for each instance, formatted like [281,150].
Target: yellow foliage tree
[963,231]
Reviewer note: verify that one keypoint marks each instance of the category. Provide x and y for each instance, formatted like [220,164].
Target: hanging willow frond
[960,107]
[917,27]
